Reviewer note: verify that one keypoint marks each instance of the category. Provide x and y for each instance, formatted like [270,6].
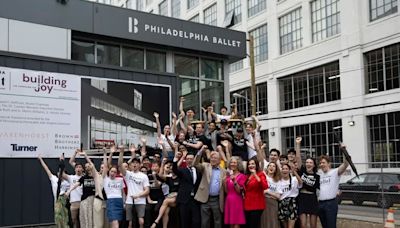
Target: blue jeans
[328,210]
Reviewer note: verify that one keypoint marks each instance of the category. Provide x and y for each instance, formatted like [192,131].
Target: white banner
[40,112]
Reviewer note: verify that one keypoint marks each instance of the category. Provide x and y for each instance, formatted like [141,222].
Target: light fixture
[272,132]
[333,77]
[351,123]
[373,89]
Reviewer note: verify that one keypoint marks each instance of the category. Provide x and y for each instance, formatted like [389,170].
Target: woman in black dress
[307,199]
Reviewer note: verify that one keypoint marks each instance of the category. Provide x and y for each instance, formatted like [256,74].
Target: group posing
[212,173]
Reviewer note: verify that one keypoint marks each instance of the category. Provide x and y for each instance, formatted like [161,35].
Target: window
[155,61]
[211,69]
[235,6]
[383,68]
[108,54]
[314,86]
[256,6]
[242,98]
[139,5]
[196,18]
[325,17]
[318,139]
[186,65]
[381,8]
[175,8]
[163,8]
[133,57]
[260,43]
[262,100]
[290,31]
[192,3]
[212,91]
[83,51]
[236,66]
[190,91]
[384,136]
[210,15]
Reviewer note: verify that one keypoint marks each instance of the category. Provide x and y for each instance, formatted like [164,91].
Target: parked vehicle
[369,187]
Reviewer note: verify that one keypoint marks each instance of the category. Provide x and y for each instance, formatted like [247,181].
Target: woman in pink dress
[233,185]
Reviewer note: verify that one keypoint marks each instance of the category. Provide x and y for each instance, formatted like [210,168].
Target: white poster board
[40,113]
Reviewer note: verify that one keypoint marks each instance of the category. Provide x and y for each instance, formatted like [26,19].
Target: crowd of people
[207,174]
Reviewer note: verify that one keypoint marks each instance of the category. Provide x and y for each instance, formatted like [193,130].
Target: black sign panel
[129,24]
[140,26]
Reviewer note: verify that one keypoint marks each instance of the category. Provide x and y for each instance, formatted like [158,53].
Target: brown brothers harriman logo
[44,83]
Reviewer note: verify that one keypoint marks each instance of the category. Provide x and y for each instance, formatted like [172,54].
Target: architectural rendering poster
[52,113]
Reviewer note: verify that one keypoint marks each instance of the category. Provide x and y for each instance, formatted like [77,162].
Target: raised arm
[174,129]
[109,160]
[120,161]
[132,149]
[157,116]
[181,100]
[105,169]
[72,159]
[298,152]
[258,125]
[143,151]
[48,172]
[342,168]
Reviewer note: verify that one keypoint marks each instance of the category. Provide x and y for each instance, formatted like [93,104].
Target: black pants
[190,214]
[253,218]
[151,212]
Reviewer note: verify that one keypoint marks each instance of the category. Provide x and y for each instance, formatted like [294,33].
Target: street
[367,212]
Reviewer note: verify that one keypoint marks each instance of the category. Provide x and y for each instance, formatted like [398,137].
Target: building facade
[125,64]
[322,66]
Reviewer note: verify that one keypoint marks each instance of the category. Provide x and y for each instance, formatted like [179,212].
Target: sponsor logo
[44,83]
[16,147]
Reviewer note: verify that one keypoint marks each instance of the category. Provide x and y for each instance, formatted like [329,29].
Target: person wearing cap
[138,189]
[239,145]
[224,133]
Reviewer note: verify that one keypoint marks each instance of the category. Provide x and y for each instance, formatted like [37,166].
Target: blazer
[203,192]
[186,186]
[254,198]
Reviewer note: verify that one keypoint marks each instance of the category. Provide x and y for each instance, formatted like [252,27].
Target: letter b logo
[132,25]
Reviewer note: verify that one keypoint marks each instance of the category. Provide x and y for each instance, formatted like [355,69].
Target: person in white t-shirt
[113,187]
[273,194]
[167,137]
[76,194]
[290,190]
[60,209]
[329,187]
[138,189]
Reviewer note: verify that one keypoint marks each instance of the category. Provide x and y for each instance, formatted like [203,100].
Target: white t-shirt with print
[113,187]
[76,194]
[287,191]
[329,184]
[136,182]
[54,183]
[274,186]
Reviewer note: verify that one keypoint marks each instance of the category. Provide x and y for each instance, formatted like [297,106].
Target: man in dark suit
[189,180]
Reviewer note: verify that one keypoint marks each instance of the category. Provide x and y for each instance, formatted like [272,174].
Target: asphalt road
[367,212]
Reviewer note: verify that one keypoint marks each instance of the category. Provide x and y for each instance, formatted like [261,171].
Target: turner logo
[132,25]
[16,147]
